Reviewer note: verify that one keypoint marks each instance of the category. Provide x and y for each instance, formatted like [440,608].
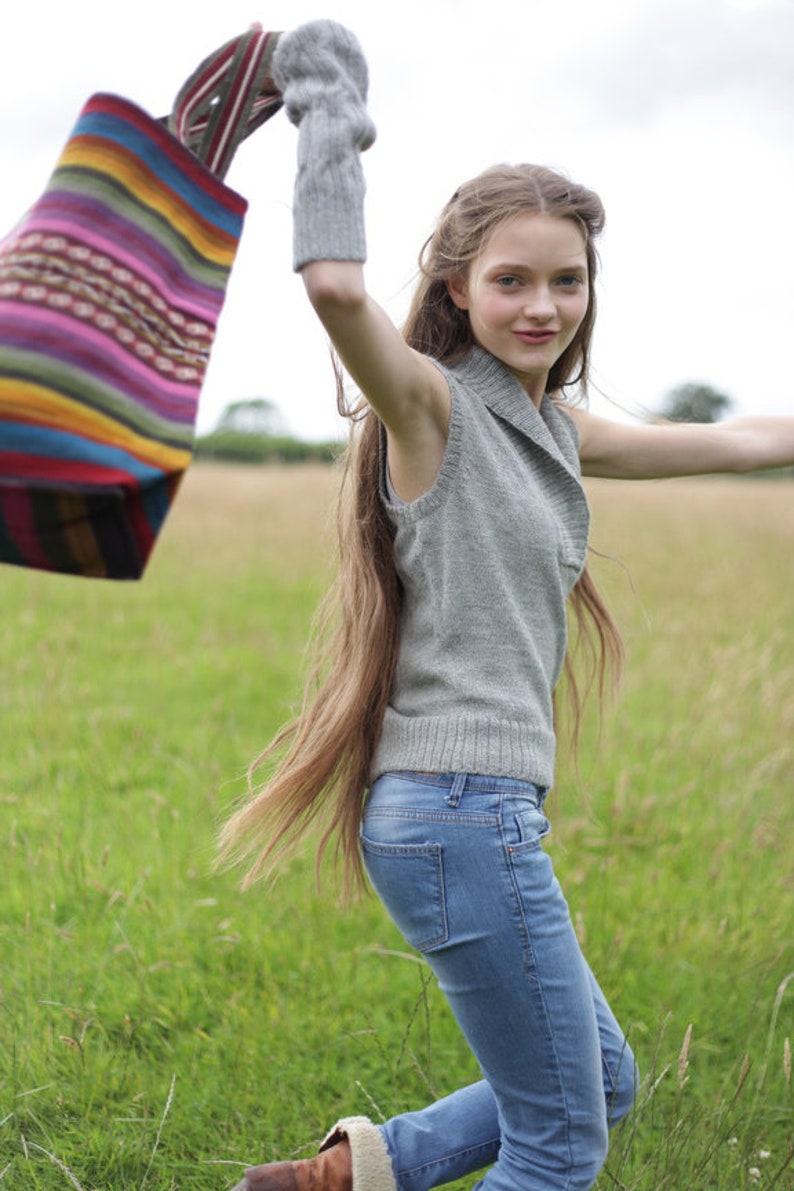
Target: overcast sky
[680,113]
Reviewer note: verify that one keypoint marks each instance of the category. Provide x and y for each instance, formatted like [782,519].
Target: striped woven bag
[110,292]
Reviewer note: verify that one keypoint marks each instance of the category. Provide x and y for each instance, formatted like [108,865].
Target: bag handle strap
[229,95]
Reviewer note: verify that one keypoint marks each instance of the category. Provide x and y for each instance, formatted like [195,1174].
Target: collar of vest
[496,386]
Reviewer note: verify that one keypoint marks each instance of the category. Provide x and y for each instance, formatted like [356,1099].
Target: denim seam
[516,896]
[484,1147]
[430,849]
[614,1077]
[532,976]
[423,816]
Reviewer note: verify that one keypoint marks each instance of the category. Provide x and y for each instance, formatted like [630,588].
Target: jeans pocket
[409,880]
[531,826]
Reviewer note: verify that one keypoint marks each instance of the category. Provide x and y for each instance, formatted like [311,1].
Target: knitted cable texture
[322,73]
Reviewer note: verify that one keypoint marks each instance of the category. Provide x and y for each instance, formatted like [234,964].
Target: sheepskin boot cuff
[372,1168]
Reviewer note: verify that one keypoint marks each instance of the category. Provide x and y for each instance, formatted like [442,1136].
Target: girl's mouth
[534,337]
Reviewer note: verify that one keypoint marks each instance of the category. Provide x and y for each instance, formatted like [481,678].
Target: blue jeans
[457,859]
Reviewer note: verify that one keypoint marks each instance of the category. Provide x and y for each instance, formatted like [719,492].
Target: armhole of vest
[415,509]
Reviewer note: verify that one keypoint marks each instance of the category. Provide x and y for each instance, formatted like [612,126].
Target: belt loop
[456,790]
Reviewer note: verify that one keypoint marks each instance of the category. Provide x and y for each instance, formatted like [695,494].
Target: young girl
[432,737]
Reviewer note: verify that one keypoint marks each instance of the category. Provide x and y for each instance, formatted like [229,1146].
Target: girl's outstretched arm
[322,74]
[642,452]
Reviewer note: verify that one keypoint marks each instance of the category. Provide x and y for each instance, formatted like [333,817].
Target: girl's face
[526,294]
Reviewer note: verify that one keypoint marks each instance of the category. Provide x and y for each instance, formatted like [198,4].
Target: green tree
[254,415]
[254,431]
[695,402]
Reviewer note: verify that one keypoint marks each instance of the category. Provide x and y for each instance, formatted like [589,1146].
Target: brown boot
[353,1157]
[331,1170]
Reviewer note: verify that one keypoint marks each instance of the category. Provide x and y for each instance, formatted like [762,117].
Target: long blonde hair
[322,758]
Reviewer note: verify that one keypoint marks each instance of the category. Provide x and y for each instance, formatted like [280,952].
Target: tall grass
[159,1030]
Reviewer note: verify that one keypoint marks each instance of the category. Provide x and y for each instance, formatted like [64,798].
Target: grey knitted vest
[487,559]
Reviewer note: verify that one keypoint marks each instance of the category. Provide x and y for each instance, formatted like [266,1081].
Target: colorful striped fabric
[211,129]
[110,292]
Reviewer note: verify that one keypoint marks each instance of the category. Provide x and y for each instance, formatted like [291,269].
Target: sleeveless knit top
[486,558]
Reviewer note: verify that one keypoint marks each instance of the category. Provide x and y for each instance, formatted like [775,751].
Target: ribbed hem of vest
[372,1168]
[438,744]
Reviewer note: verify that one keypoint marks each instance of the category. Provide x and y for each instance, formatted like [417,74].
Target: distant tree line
[253,431]
[230,446]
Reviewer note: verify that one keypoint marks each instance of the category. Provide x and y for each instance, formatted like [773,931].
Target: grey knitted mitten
[322,73]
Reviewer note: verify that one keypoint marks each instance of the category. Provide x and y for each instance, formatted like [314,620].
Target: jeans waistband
[460,783]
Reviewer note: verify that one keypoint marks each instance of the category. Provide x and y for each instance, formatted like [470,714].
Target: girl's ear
[458,292]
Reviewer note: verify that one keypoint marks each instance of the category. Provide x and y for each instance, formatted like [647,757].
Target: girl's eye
[508,282]
[571,280]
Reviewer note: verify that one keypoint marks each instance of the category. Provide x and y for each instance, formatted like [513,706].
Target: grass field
[159,1030]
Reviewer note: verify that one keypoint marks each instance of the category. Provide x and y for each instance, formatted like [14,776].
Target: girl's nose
[539,305]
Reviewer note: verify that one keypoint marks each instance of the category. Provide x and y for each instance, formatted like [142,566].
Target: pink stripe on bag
[177,287]
[109,361]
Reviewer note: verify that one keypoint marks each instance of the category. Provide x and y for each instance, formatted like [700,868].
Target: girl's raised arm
[322,75]
[642,452]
